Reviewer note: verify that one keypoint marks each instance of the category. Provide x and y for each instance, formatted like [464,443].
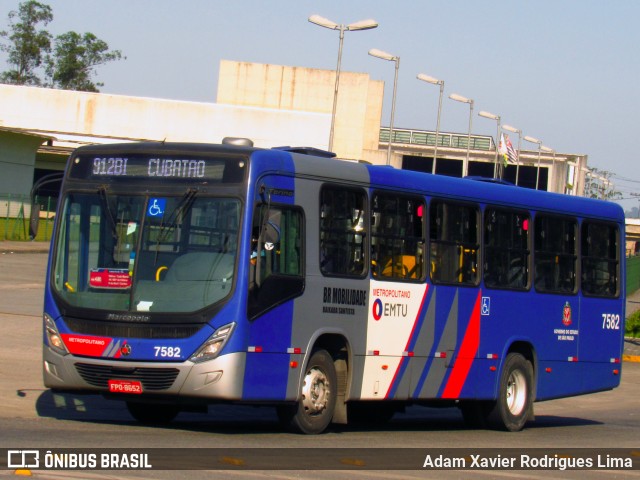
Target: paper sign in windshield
[110,278]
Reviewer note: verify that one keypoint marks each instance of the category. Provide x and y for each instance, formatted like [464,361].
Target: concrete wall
[358,110]
[138,118]
[17,159]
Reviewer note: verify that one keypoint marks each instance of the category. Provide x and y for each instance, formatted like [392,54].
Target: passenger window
[600,259]
[506,249]
[453,234]
[342,231]
[555,254]
[397,237]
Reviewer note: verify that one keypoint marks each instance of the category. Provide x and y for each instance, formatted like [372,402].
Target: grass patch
[18,229]
[632,327]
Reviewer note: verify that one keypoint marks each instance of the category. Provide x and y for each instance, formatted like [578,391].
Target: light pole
[460,98]
[496,168]
[374,52]
[539,142]
[435,81]
[326,23]
[637,195]
[511,129]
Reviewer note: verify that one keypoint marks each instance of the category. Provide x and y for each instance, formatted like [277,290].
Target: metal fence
[633,274]
[15,211]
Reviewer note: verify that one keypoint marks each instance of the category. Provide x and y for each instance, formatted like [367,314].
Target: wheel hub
[315,391]
[516,392]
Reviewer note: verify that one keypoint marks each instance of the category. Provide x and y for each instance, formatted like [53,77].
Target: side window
[555,254]
[600,259]
[506,249]
[397,236]
[453,235]
[277,252]
[342,231]
[276,242]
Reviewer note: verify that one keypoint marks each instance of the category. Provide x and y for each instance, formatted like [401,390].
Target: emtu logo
[377,309]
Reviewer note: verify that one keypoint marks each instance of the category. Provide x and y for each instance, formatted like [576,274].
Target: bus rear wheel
[153,413]
[511,409]
[312,414]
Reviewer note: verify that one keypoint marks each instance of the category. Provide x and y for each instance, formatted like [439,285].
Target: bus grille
[129,330]
[151,378]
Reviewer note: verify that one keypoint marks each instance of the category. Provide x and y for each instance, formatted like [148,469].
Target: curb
[19,252]
[631,358]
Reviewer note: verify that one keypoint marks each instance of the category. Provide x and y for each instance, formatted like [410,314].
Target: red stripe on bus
[466,355]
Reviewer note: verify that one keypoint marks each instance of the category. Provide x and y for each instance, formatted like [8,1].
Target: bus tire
[515,396]
[153,413]
[314,411]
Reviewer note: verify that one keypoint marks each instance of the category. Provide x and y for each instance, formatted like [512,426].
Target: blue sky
[564,71]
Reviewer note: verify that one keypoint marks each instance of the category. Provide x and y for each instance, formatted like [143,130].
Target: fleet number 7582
[610,321]
[171,352]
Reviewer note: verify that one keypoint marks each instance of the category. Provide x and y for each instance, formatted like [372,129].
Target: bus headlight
[53,336]
[213,346]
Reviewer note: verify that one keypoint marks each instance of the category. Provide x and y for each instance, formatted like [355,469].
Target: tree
[28,45]
[71,66]
[74,59]
[599,185]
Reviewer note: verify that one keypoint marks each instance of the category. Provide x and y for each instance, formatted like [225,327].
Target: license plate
[125,386]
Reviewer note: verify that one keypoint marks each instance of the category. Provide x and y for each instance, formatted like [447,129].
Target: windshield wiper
[172,222]
[104,200]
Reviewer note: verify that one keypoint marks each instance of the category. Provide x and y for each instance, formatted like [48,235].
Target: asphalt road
[34,417]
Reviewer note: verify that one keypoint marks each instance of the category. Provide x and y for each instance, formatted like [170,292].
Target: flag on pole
[503,150]
[511,152]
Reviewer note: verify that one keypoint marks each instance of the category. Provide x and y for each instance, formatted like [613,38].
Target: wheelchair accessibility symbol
[485,308]
[156,207]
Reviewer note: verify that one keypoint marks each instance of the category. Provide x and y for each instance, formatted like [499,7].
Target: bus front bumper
[217,379]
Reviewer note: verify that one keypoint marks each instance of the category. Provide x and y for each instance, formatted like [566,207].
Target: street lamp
[374,52]
[492,116]
[637,195]
[434,81]
[539,142]
[460,98]
[511,129]
[326,23]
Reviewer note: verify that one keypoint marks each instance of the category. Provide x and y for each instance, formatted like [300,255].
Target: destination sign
[158,167]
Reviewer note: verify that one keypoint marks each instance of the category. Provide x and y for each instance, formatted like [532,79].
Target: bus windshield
[145,253]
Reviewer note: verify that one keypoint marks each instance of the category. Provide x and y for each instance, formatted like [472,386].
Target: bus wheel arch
[515,393]
[313,411]
[513,406]
[322,387]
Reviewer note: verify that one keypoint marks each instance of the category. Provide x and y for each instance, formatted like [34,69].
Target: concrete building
[271,104]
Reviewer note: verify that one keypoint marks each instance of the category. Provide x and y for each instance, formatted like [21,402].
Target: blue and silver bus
[183,275]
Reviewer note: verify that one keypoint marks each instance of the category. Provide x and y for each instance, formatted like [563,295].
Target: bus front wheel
[314,410]
[514,403]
